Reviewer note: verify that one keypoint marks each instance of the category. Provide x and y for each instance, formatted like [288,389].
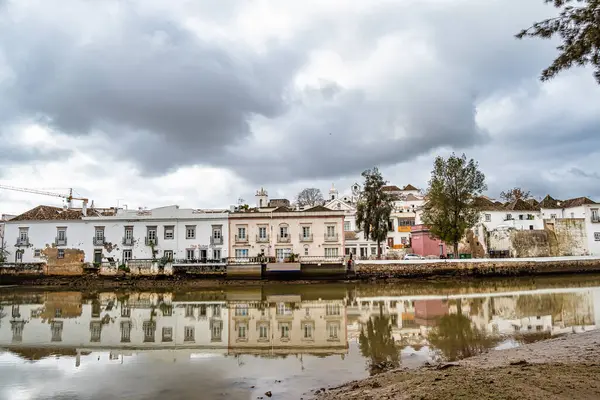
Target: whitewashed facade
[172,232]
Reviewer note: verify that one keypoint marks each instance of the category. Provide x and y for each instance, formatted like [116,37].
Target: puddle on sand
[240,342]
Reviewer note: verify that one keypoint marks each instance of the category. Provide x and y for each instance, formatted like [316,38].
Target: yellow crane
[69,197]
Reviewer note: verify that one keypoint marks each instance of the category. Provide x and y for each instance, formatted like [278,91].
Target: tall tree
[310,197]
[515,194]
[578,26]
[449,210]
[377,343]
[374,208]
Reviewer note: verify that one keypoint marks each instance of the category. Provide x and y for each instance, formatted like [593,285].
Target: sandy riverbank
[562,368]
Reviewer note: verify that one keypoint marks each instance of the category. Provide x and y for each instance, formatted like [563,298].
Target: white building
[65,236]
[408,202]
[355,242]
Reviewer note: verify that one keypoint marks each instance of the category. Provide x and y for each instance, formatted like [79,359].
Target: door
[363,252]
[203,255]
[97,256]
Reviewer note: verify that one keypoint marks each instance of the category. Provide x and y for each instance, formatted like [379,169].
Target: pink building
[424,244]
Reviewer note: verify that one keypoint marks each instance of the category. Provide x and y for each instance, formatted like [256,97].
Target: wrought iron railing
[262,239]
[151,241]
[241,239]
[306,238]
[128,241]
[216,240]
[331,237]
[283,238]
[98,241]
[60,241]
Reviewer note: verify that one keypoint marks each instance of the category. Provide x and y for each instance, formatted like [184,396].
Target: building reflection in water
[260,323]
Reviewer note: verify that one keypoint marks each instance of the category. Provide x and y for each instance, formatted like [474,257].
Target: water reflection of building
[511,313]
[284,324]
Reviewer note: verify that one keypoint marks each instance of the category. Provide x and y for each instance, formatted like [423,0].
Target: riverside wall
[374,269]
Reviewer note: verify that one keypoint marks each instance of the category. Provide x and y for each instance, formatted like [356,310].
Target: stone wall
[532,243]
[366,270]
[570,236]
[70,264]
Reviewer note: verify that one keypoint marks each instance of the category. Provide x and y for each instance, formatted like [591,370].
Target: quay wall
[374,269]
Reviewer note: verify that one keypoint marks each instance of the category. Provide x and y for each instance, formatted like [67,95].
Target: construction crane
[69,197]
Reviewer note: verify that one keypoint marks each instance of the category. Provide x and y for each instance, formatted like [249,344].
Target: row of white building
[62,237]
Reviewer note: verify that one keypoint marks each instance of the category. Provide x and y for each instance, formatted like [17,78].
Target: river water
[238,342]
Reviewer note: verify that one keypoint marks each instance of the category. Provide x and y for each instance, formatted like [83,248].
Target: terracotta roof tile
[317,208]
[576,202]
[484,204]
[521,205]
[49,213]
[409,187]
[391,188]
[549,202]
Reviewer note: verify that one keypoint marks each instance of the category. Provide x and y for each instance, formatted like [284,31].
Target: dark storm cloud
[167,98]
[147,78]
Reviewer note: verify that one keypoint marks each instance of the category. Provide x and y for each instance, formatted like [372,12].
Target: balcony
[98,241]
[60,241]
[151,241]
[595,219]
[331,237]
[283,238]
[262,239]
[216,241]
[22,242]
[127,241]
[241,239]
[306,238]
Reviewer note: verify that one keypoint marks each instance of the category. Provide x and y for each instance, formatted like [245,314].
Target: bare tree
[310,197]
[515,194]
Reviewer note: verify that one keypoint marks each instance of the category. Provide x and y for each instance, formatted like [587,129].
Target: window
[373,251]
[168,254]
[19,256]
[126,255]
[263,332]
[530,227]
[306,250]
[167,334]
[61,234]
[129,232]
[169,232]
[216,311]
[189,311]
[331,252]
[216,328]
[404,240]
[333,330]
[242,233]
[37,253]
[99,234]
[217,234]
[241,253]
[390,225]
[262,232]
[60,253]
[597,236]
[149,328]
[151,234]
[216,254]
[282,254]
[285,331]
[331,230]
[347,226]
[125,311]
[332,309]
[509,217]
[95,331]
[241,311]
[23,234]
[553,216]
[572,215]
[307,330]
[202,311]
[17,330]
[189,334]
[283,309]
[242,331]
[125,331]
[595,217]
[190,254]
[283,231]
[521,217]
[56,328]
[306,231]
[190,232]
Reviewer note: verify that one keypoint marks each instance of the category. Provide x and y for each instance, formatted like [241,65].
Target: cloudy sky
[201,102]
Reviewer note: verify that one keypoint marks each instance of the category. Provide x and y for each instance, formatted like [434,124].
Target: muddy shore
[400,286]
[562,368]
